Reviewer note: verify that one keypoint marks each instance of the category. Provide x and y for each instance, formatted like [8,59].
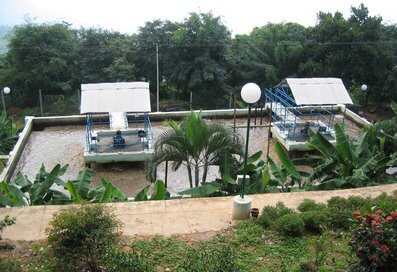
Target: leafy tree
[39,57]
[199,52]
[154,33]
[356,49]
[104,56]
[194,144]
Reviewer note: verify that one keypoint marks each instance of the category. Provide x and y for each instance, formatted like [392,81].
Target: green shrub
[274,212]
[80,237]
[315,221]
[290,225]
[384,202]
[341,219]
[119,261]
[264,220]
[310,205]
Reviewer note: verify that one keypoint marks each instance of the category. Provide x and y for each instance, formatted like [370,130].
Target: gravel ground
[65,145]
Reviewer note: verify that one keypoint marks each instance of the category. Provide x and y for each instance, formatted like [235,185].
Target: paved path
[171,217]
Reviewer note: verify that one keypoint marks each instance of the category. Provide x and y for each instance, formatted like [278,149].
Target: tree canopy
[198,55]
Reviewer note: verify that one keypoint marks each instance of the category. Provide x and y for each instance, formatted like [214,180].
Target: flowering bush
[374,241]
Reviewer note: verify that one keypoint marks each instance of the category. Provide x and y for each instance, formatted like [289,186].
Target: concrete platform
[171,217]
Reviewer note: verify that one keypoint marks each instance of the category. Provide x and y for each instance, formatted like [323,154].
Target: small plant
[264,220]
[318,257]
[290,225]
[274,212]
[374,241]
[7,221]
[80,237]
[315,221]
[310,205]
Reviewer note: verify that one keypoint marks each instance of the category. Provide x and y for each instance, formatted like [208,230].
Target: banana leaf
[15,196]
[286,161]
[160,191]
[201,191]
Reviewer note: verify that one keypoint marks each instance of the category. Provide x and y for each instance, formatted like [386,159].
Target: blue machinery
[292,122]
[131,141]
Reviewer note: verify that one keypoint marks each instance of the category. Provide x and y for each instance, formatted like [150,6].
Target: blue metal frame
[290,119]
[142,118]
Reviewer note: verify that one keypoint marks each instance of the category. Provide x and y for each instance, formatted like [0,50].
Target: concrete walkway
[171,217]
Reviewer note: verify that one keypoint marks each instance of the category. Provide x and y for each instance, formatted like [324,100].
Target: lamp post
[6,90]
[250,93]
[364,87]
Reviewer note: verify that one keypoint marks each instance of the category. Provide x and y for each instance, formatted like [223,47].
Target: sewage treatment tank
[125,132]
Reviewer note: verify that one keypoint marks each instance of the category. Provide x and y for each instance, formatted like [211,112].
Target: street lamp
[250,93]
[364,87]
[6,90]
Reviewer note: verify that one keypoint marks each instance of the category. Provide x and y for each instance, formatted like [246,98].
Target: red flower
[378,231]
[393,214]
[357,214]
[389,219]
[374,258]
[376,219]
[384,248]
[378,212]
[371,215]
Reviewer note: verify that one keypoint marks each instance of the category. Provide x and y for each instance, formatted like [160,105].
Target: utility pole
[41,103]
[158,87]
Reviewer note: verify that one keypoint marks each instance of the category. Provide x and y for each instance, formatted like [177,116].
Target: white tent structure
[317,91]
[129,138]
[300,104]
[115,97]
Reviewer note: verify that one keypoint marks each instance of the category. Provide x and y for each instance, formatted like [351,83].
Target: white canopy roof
[115,97]
[317,91]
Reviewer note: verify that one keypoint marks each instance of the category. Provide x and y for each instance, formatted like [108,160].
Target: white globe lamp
[6,90]
[250,93]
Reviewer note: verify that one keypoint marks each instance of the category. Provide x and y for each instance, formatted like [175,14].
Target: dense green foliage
[80,237]
[23,192]
[245,247]
[8,133]
[349,164]
[199,55]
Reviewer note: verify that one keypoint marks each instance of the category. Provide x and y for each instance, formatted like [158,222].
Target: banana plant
[348,164]
[256,169]
[80,190]
[159,192]
[285,175]
[24,192]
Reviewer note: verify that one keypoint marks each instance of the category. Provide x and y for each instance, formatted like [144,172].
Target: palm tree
[194,144]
